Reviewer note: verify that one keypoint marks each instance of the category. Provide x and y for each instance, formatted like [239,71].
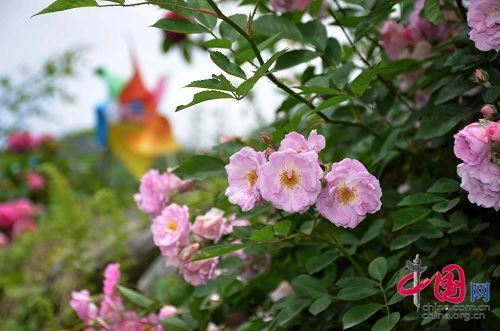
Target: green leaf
[61,5]
[373,231]
[389,142]
[201,167]
[135,297]
[265,234]
[378,268]
[270,24]
[361,83]
[333,51]
[444,206]
[228,32]
[407,216]
[320,304]
[121,2]
[356,293]
[217,43]
[213,83]
[404,240]
[358,314]
[308,287]
[205,96]
[444,185]
[440,120]
[293,308]
[340,76]
[282,228]
[320,262]
[330,102]
[295,57]
[420,199]
[210,21]
[180,25]
[175,324]
[314,32]
[453,90]
[355,282]
[432,12]
[225,64]
[217,250]
[386,323]
[247,85]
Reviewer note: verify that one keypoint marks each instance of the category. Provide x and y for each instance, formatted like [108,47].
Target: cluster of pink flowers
[478,146]
[16,217]
[291,180]
[179,240]
[484,19]
[111,313]
[22,142]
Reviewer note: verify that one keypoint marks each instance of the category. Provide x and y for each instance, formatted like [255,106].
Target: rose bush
[277,230]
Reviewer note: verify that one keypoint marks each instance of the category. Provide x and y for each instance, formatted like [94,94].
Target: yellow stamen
[251,177]
[346,194]
[289,179]
[171,226]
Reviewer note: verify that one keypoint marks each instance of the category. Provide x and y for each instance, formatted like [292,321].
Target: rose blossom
[482,182]
[20,142]
[488,110]
[493,131]
[84,308]
[290,5]
[167,312]
[111,278]
[35,181]
[350,193]
[171,228]
[242,177]
[484,19]
[209,226]
[296,141]
[197,272]
[471,144]
[395,40]
[283,289]
[154,192]
[231,221]
[290,180]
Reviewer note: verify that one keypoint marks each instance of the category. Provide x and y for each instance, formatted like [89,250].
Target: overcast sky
[108,34]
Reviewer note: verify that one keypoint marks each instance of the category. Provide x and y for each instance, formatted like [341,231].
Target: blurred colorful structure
[129,124]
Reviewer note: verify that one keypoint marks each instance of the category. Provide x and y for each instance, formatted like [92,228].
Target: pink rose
[22,225]
[197,272]
[482,182]
[395,40]
[209,227]
[488,110]
[154,192]
[471,144]
[111,279]
[290,5]
[242,177]
[231,221]
[290,180]
[480,76]
[179,185]
[297,142]
[284,289]
[350,193]
[82,305]
[35,181]
[167,312]
[484,19]
[20,142]
[171,228]
[493,131]
[8,214]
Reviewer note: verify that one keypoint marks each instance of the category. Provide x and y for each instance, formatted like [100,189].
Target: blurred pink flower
[290,180]
[197,272]
[422,27]
[22,225]
[231,221]
[8,214]
[395,40]
[484,19]
[297,142]
[242,177]
[290,5]
[209,227]
[179,185]
[284,289]
[480,76]
[228,138]
[35,181]
[482,182]
[488,110]
[350,193]
[174,36]
[111,279]
[82,305]
[493,131]
[154,192]
[171,228]
[20,142]
[4,240]
[471,144]
[167,312]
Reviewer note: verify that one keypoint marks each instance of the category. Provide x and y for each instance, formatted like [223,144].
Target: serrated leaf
[217,43]
[213,84]
[295,57]
[386,323]
[61,5]
[432,11]
[420,199]
[217,250]
[201,167]
[135,297]
[270,24]
[378,268]
[205,96]
[228,32]
[320,304]
[265,234]
[225,64]
[444,185]
[179,25]
[358,314]
[407,216]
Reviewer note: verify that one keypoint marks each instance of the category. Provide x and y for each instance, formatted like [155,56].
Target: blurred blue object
[101,129]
